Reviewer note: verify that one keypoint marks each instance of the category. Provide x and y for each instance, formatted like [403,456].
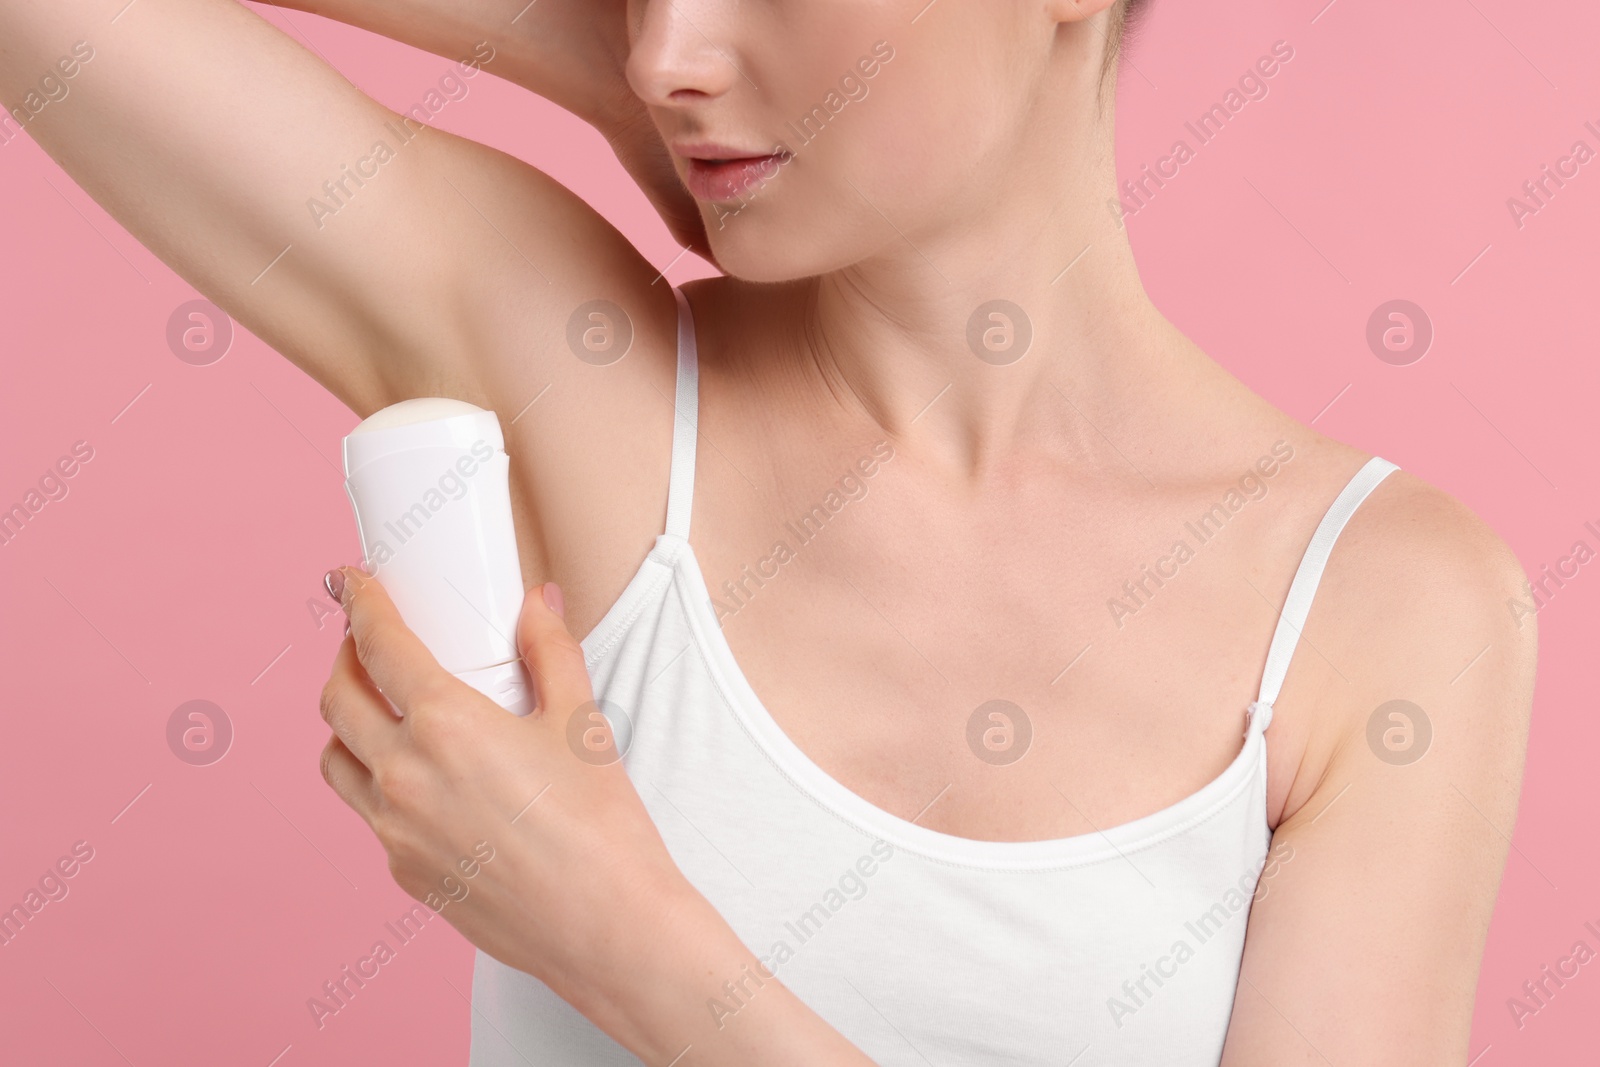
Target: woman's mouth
[723,178]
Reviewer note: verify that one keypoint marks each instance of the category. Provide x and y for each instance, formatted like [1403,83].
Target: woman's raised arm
[355,242]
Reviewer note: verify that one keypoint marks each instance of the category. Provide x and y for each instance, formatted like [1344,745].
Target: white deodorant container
[428,479]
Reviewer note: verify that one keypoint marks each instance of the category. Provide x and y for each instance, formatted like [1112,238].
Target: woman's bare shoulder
[1412,687]
[1422,611]
[1415,558]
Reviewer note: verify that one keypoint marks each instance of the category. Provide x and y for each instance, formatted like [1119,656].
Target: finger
[554,657]
[355,711]
[394,657]
[349,778]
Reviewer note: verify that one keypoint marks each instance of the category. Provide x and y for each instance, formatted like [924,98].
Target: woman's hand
[634,138]
[542,859]
[575,53]
[538,848]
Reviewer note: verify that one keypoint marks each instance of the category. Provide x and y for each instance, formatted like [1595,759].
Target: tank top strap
[1297,605]
[686,422]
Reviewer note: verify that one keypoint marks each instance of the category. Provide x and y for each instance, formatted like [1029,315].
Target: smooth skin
[979,565]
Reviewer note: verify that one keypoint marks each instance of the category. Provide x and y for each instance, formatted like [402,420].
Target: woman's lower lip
[730,179]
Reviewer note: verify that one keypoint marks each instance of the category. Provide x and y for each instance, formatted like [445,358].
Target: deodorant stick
[428,479]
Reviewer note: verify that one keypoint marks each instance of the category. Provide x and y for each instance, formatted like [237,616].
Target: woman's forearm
[692,989]
[566,51]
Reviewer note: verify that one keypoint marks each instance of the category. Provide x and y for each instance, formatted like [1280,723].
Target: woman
[1017,571]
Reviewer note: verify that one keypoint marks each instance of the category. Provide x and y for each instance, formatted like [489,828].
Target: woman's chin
[755,249]
[760,261]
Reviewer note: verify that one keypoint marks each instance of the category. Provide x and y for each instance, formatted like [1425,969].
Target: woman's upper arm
[1364,942]
[352,241]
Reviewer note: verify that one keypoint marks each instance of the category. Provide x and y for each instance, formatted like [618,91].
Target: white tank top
[1115,947]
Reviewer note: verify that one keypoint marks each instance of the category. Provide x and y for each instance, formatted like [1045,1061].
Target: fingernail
[554,600]
[333,581]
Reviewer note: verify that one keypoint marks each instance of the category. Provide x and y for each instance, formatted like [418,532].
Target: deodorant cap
[428,480]
[423,422]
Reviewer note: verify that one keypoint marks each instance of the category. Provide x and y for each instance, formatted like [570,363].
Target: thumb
[554,657]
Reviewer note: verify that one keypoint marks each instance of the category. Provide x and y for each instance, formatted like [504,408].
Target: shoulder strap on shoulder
[1306,578]
[686,422]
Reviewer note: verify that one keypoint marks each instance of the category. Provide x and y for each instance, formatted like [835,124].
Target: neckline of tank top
[673,557]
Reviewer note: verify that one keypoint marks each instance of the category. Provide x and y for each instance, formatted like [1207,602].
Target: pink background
[182,562]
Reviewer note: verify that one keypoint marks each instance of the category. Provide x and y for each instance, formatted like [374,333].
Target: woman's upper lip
[709,150]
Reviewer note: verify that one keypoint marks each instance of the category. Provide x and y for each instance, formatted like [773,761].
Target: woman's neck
[985,339]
